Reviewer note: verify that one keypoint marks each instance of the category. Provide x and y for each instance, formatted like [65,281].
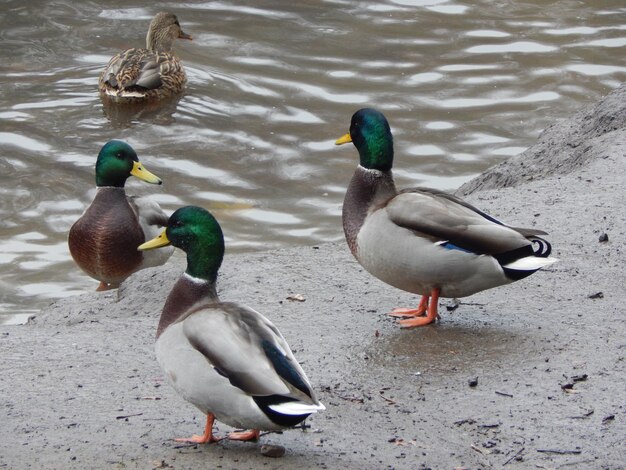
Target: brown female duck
[147,74]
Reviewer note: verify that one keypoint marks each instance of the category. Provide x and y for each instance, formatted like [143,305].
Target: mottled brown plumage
[147,74]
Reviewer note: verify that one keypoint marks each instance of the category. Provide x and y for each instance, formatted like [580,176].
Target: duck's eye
[119,155]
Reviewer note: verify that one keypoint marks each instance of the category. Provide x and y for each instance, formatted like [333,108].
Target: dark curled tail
[541,248]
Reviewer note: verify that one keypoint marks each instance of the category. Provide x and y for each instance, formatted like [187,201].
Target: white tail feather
[530,263]
[296,408]
[124,93]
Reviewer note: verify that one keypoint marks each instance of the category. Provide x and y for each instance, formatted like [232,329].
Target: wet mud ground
[531,375]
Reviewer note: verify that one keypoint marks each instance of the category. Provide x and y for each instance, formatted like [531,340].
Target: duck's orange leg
[104,286]
[411,312]
[251,435]
[431,313]
[207,437]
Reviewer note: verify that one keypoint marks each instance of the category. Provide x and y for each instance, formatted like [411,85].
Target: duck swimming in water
[153,73]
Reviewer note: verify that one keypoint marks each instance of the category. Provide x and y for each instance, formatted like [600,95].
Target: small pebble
[472,382]
[603,238]
[272,451]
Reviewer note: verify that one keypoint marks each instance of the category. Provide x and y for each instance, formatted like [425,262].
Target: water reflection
[122,115]
[269,89]
[448,349]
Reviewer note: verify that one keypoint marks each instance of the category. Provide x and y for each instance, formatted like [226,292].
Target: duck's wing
[152,220]
[140,67]
[448,220]
[149,214]
[527,232]
[126,68]
[248,349]
[171,71]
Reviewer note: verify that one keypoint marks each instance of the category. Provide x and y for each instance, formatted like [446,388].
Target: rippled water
[464,85]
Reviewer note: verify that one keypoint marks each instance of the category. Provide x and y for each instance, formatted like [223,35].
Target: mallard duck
[103,240]
[422,240]
[225,358]
[147,74]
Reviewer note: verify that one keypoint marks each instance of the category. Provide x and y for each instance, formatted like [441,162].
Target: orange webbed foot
[104,286]
[411,312]
[195,439]
[415,322]
[407,312]
[251,435]
[425,306]
[206,438]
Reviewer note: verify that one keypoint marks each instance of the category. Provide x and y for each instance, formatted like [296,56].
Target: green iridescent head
[116,162]
[195,231]
[370,134]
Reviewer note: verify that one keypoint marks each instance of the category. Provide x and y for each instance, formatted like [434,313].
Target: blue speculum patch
[451,246]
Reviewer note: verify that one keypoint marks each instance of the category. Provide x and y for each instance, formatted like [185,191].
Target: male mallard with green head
[228,360]
[422,240]
[102,240]
[147,74]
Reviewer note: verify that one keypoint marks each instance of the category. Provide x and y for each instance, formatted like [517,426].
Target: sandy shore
[81,388]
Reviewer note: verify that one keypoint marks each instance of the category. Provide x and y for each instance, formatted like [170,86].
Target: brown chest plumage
[104,241]
[367,191]
[187,294]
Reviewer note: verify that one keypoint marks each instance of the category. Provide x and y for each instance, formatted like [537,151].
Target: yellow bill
[344,139]
[157,242]
[140,172]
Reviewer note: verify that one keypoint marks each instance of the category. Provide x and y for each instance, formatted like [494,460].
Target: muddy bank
[563,147]
[529,375]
